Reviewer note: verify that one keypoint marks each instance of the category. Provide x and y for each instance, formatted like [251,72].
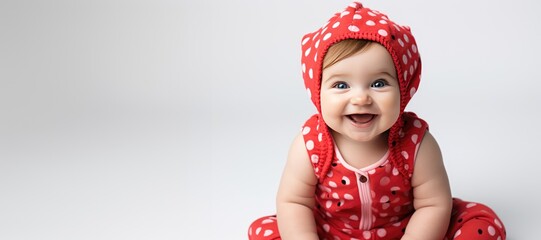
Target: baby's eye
[379,83]
[341,85]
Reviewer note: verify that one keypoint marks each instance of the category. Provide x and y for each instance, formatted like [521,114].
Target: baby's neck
[362,154]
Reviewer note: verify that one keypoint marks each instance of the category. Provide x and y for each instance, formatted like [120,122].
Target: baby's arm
[431,192]
[295,199]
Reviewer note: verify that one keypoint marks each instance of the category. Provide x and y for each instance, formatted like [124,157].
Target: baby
[362,167]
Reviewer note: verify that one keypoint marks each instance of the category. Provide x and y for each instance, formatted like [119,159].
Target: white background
[172,119]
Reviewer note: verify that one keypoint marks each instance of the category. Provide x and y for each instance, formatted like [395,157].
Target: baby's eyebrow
[388,74]
[345,75]
[386,70]
[335,75]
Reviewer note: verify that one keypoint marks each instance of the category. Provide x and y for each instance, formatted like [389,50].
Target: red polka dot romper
[375,202]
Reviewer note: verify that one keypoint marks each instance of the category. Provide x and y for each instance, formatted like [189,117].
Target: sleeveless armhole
[411,135]
[313,139]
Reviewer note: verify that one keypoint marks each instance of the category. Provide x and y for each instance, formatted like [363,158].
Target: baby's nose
[361,99]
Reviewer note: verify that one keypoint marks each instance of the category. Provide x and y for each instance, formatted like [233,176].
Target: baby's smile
[361,118]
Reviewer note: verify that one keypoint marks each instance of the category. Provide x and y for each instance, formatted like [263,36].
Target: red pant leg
[265,228]
[471,220]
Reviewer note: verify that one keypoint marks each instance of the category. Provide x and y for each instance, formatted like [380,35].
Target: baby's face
[360,95]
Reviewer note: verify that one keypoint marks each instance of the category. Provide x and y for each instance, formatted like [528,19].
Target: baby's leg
[265,228]
[474,221]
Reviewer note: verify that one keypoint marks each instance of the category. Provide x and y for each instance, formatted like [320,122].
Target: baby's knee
[265,228]
[479,229]
[475,221]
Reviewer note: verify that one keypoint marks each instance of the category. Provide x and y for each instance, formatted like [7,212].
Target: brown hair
[343,49]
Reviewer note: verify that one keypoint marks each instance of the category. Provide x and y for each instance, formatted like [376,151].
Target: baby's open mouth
[361,118]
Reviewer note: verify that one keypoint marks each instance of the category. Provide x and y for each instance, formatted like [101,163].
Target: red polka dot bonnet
[359,22]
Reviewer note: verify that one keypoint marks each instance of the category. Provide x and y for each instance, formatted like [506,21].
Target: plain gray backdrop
[172,119]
